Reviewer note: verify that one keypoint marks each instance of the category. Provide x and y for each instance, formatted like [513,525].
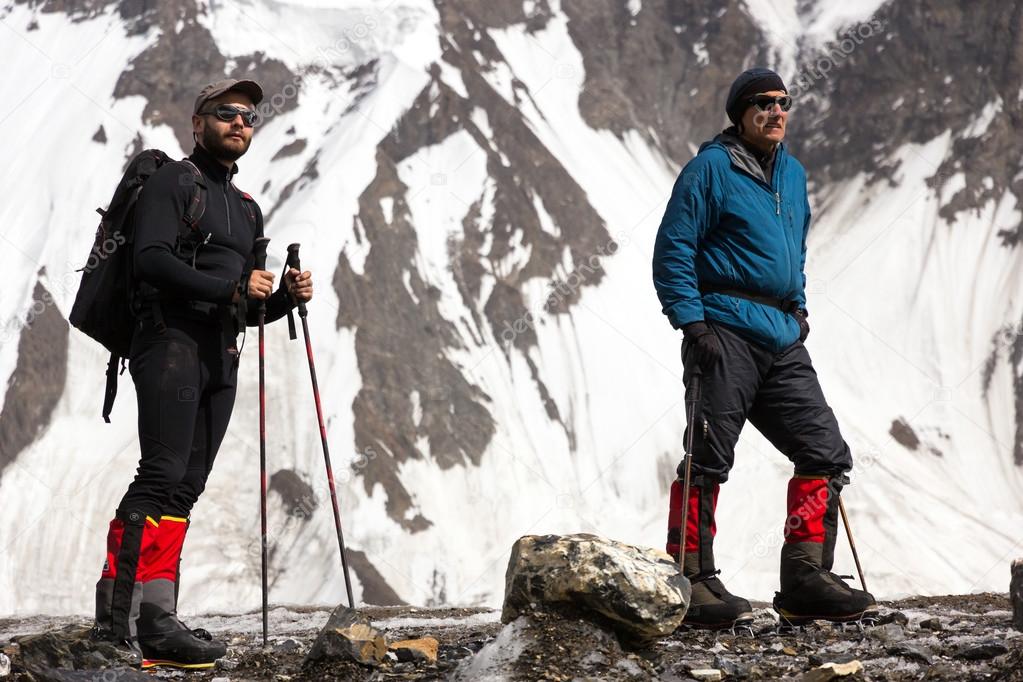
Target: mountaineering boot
[809,590]
[711,606]
[165,640]
[118,590]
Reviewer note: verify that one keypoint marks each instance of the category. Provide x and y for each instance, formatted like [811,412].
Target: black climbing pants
[185,381]
[779,394]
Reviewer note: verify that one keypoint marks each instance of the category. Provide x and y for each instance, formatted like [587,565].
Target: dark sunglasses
[766,102]
[227,112]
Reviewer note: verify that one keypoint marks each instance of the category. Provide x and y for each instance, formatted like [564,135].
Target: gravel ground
[923,638]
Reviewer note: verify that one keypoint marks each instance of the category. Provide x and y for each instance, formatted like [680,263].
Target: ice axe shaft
[852,543]
[293,261]
[259,251]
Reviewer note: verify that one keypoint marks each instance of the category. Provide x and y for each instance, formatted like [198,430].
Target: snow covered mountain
[476,186]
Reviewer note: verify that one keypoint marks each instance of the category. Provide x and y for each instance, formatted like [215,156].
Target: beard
[215,145]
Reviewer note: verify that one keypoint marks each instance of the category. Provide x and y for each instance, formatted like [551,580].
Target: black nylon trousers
[185,382]
[779,394]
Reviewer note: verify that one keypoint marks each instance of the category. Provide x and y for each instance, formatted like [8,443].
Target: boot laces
[711,582]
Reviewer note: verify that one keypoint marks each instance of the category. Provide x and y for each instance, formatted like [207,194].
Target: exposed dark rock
[456,421]
[400,342]
[913,652]
[308,174]
[297,496]
[375,589]
[58,654]
[980,652]
[291,149]
[646,73]
[904,434]
[121,674]
[170,72]
[893,617]
[831,671]
[1007,346]
[100,135]
[347,635]
[1016,593]
[482,14]
[77,10]
[37,382]
[639,593]
[895,81]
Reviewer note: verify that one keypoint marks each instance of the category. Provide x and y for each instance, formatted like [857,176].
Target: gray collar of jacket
[742,157]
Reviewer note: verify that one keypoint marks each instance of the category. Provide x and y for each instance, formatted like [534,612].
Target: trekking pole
[852,543]
[294,262]
[692,398]
[259,250]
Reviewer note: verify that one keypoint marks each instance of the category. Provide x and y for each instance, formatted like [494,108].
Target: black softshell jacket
[219,264]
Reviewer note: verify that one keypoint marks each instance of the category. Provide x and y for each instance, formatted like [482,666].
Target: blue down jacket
[727,227]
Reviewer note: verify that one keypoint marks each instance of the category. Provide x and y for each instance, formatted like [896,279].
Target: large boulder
[1016,593]
[639,593]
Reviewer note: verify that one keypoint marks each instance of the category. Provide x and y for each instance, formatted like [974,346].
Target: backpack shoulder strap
[110,390]
[249,203]
[197,205]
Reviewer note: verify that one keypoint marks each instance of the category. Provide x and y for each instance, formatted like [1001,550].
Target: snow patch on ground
[494,659]
[485,618]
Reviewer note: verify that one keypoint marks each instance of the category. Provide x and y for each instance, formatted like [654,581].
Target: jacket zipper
[227,207]
[777,209]
[777,212]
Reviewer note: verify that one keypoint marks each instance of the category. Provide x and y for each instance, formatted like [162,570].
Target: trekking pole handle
[259,252]
[293,261]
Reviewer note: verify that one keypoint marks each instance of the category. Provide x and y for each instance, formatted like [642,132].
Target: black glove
[804,326]
[704,347]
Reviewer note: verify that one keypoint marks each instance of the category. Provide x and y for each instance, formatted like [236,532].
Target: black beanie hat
[749,83]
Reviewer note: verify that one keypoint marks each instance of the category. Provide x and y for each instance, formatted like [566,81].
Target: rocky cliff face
[37,382]
[479,184]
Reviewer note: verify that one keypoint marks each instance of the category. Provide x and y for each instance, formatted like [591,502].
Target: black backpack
[108,299]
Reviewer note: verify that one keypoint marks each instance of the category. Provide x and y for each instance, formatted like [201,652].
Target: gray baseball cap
[250,88]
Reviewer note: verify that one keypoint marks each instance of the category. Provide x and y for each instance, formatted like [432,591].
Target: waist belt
[787,307]
[227,316]
[193,309]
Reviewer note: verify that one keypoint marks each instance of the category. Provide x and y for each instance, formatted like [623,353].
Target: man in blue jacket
[728,269]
